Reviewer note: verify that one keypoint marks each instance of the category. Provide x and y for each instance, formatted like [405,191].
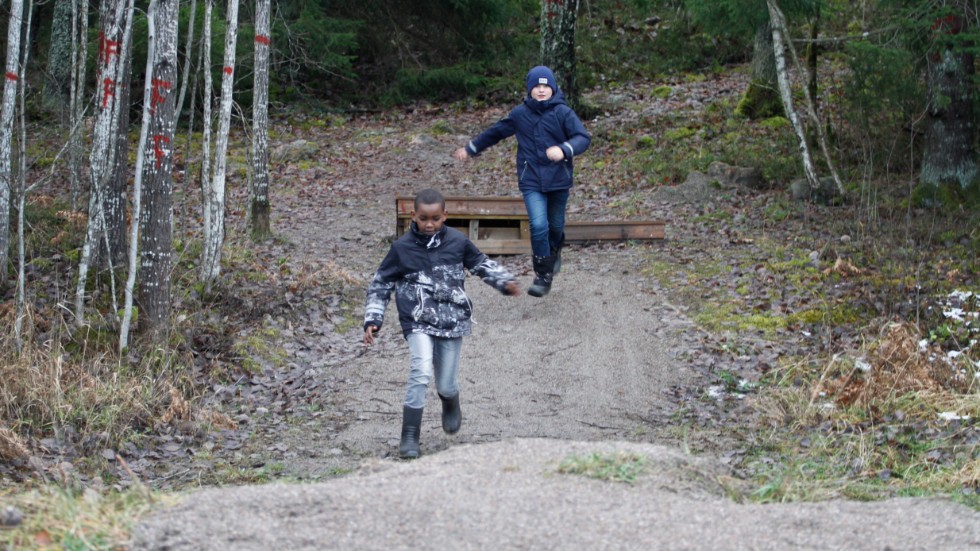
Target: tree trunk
[79,53]
[259,213]
[23,191]
[188,47]
[113,244]
[13,75]
[786,92]
[214,216]
[761,99]
[114,40]
[950,157]
[57,78]
[558,44]
[156,160]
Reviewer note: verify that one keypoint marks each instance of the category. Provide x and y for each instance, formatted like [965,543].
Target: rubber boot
[543,274]
[411,430]
[556,252]
[452,416]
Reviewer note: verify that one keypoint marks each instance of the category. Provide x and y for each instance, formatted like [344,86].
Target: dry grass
[11,445]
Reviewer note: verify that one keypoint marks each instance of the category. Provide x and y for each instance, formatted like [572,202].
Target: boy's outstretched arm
[504,128]
[490,272]
[378,295]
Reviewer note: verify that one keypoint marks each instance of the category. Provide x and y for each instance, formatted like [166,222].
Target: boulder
[728,175]
[824,194]
[298,150]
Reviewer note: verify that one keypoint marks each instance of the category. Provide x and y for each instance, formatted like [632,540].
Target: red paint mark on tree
[158,150]
[551,8]
[264,40]
[229,70]
[951,24]
[107,48]
[156,96]
[108,89]
[12,76]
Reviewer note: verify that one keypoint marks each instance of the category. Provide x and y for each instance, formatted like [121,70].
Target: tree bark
[114,40]
[23,190]
[259,212]
[786,94]
[113,244]
[951,132]
[13,75]
[188,47]
[761,98]
[57,78]
[155,170]
[558,44]
[79,53]
[214,216]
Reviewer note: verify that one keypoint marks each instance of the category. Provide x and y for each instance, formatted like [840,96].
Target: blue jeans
[432,355]
[546,212]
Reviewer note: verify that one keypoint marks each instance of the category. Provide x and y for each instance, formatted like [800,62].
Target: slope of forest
[819,347]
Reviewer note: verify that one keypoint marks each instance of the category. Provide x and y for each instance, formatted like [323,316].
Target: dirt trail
[588,369]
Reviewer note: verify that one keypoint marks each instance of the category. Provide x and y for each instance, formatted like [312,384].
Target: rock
[298,150]
[825,194]
[728,175]
[10,517]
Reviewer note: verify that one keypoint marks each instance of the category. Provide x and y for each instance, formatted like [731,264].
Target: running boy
[548,134]
[425,270]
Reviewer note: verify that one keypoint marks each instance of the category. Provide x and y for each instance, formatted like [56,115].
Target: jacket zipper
[523,171]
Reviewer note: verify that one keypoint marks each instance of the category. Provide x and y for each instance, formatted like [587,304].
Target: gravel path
[509,495]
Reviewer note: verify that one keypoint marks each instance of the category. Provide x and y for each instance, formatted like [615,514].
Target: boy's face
[429,218]
[542,92]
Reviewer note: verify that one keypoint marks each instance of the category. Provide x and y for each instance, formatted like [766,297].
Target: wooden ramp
[499,225]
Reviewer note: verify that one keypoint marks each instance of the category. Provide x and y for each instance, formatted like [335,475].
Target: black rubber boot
[411,429]
[556,252]
[452,416]
[543,275]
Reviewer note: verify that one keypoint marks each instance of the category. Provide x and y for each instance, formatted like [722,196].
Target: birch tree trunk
[781,41]
[113,243]
[558,44]
[22,195]
[79,53]
[207,122]
[214,216]
[951,131]
[259,212]
[156,219]
[13,75]
[114,39]
[57,78]
[188,49]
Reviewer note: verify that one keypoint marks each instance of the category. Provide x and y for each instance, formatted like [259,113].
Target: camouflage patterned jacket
[426,274]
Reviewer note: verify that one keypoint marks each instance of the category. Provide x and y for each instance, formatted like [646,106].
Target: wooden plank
[461,207]
[614,231]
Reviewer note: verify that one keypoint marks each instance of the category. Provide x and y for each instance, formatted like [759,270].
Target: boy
[425,269]
[548,134]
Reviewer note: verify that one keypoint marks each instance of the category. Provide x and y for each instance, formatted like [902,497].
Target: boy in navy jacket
[425,270]
[549,135]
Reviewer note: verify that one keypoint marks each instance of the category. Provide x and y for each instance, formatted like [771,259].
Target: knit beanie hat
[541,75]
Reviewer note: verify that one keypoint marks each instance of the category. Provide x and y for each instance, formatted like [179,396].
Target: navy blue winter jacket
[426,273]
[539,125]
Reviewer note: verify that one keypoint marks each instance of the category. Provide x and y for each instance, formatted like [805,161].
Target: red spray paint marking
[264,40]
[228,70]
[156,97]
[551,12]
[108,86]
[12,76]
[158,151]
[108,48]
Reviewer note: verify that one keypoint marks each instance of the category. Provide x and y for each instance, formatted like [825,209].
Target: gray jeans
[432,356]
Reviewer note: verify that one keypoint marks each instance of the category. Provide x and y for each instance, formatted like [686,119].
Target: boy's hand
[554,153]
[461,154]
[369,335]
[512,289]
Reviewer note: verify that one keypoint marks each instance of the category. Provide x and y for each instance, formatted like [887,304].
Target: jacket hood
[541,75]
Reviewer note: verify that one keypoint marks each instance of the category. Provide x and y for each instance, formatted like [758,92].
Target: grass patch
[60,518]
[616,467]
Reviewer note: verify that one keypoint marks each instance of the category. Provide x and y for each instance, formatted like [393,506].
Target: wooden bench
[499,225]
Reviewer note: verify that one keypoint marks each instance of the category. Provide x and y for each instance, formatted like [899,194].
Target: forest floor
[655,348]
